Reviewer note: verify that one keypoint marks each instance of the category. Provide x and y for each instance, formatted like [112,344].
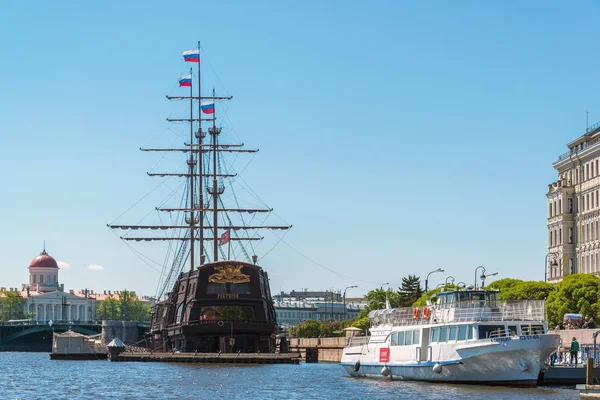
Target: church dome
[43,261]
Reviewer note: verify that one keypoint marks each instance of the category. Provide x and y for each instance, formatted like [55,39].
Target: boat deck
[211,358]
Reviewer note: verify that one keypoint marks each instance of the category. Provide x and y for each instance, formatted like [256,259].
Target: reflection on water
[34,376]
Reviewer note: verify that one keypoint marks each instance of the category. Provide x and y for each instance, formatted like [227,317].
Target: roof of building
[43,261]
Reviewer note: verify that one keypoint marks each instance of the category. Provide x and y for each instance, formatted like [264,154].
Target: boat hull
[509,362]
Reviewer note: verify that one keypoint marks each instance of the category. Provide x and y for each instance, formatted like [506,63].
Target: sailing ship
[469,336]
[217,304]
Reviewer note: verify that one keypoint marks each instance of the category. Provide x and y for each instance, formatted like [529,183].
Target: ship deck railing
[471,311]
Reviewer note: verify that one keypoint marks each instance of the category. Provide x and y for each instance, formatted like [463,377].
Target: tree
[11,306]
[504,284]
[362,323]
[308,329]
[377,299]
[527,290]
[410,291]
[577,293]
[127,308]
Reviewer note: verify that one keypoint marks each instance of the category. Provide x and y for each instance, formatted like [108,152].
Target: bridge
[37,335]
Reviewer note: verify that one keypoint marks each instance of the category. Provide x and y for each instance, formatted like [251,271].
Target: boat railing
[357,341]
[510,310]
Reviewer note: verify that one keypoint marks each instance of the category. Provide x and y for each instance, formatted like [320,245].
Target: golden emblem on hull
[229,274]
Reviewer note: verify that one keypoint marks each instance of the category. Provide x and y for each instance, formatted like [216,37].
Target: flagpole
[192,170]
[200,165]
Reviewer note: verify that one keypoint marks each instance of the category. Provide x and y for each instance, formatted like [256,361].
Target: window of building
[571,269]
[34,277]
[549,210]
[582,203]
[587,172]
[570,205]
[570,235]
[41,278]
[560,239]
[560,206]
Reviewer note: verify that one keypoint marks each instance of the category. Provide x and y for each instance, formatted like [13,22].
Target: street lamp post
[483,276]
[427,278]
[450,277]
[349,287]
[383,284]
[476,274]
[554,264]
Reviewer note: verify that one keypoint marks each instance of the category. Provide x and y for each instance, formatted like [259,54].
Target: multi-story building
[574,209]
[298,306]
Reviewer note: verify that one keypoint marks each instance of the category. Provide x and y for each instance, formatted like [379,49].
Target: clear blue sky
[397,137]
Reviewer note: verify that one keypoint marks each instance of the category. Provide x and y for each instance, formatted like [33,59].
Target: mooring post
[589,371]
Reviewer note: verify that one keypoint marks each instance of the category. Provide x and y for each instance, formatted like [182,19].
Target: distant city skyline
[396,138]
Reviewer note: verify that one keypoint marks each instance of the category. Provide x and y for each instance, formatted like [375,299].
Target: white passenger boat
[467,337]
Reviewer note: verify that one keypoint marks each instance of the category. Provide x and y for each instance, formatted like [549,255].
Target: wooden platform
[211,358]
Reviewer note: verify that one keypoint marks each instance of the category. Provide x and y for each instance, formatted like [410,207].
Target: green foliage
[578,293]
[410,291]
[362,323]
[127,308]
[504,284]
[527,290]
[376,300]
[308,329]
[11,306]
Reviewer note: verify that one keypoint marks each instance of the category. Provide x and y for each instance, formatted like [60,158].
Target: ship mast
[192,170]
[200,168]
[214,132]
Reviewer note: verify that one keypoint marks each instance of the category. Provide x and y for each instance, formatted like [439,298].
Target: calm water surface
[34,376]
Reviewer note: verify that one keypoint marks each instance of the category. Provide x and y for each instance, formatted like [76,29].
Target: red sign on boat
[384,354]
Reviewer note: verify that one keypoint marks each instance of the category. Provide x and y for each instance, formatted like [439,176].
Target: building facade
[574,210]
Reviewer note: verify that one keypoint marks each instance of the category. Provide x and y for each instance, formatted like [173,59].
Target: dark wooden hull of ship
[225,307]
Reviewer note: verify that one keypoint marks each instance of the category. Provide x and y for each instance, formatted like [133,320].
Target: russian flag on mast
[208,107]
[191,56]
[185,80]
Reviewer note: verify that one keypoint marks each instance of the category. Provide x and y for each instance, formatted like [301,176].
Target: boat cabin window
[443,334]
[492,299]
[435,335]
[452,336]
[532,329]
[462,332]
[179,313]
[512,330]
[491,331]
[470,331]
[405,338]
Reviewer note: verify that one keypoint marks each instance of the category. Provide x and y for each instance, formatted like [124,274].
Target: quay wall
[329,349]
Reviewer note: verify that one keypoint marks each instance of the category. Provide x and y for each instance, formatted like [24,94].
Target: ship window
[435,335]
[443,334]
[490,331]
[393,338]
[240,288]
[415,336]
[179,313]
[216,288]
[235,313]
[408,338]
[462,332]
[452,333]
[512,330]
[470,331]
[400,339]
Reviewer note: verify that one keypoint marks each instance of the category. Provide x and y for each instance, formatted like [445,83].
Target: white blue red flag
[191,56]
[208,107]
[185,80]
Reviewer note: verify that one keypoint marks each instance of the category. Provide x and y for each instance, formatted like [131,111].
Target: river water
[35,376]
